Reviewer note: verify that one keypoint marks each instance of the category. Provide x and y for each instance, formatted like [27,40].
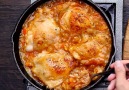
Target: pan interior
[18,31]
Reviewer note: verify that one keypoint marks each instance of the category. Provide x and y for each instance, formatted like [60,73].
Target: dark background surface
[10,11]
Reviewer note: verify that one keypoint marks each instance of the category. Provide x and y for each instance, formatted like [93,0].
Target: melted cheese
[87,50]
[52,69]
[46,32]
[48,28]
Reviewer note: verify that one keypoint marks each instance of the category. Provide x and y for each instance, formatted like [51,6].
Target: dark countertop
[10,11]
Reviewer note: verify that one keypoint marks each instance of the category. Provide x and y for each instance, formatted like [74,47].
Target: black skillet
[17,31]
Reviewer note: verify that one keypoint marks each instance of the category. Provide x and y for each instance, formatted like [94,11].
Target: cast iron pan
[17,31]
